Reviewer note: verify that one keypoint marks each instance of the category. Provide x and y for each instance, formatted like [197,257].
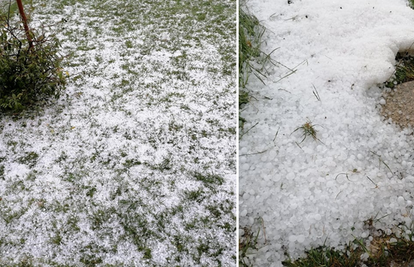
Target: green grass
[324,256]
[5,7]
[135,154]
[250,35]
[252,60]
[404,70]
[253,237]
[384,250]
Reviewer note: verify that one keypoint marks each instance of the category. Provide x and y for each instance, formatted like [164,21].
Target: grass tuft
[250,35]
[249,241]
[308,130]
[252,60]
[324,256]
[382,250]
[250,40]
[404,70]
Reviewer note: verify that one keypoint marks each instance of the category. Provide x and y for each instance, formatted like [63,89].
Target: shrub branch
[25,24]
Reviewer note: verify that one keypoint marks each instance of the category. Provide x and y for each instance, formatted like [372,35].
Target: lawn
[135,163]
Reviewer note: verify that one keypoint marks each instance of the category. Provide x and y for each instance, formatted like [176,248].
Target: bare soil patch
[399,106]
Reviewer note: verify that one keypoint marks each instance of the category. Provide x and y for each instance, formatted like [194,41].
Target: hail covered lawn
[353,165]
[135,164]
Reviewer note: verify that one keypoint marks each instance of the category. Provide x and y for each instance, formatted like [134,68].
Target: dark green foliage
[27,75]
[241,122]
[404,70]
[243,97]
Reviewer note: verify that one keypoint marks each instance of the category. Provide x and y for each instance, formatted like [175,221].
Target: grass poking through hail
[252,60]
[250,34]
[136,161]
[308,130]
[411,3]
[250,39]
[404,70]
[251,239]
[396,249]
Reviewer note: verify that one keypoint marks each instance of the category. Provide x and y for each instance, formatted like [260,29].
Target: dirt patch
[399,105]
